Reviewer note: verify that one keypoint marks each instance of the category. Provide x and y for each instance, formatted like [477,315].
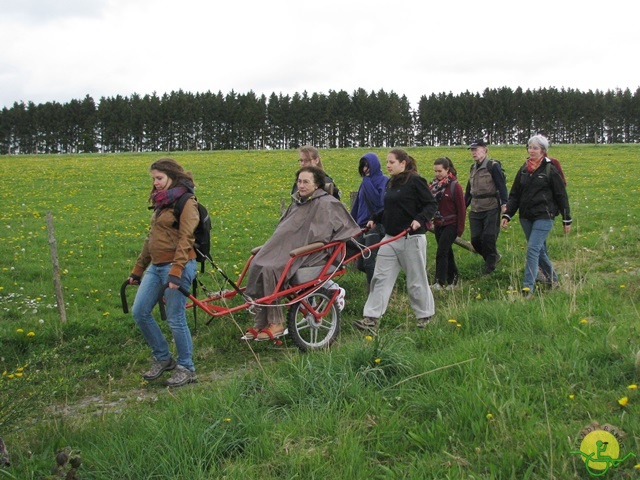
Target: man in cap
[487,195]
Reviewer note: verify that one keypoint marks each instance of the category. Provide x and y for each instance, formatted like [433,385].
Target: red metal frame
[293,294]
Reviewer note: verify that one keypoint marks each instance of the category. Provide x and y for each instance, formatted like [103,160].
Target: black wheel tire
[309,333]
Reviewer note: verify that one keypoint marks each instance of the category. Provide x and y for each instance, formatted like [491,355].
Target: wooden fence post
[57,284]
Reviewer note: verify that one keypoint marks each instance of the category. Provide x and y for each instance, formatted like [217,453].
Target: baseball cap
[478,142]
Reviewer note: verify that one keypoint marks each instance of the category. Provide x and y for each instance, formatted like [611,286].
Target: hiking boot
[367,323]
[423,322]
[541,277]
[181,376]
[158,367]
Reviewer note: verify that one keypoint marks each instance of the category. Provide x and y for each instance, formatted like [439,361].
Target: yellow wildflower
[451,320]
[478,297]
[20,330]
[489,416]
[572,396]
[633,386]
[377,360]
[623,401]
[31,334]
[583,321]
[368,338]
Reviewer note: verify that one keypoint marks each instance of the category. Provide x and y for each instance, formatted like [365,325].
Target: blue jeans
[536,232]
[147,297]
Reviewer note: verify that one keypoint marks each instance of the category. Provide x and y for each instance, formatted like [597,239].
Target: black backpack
[202,234]
[491,164]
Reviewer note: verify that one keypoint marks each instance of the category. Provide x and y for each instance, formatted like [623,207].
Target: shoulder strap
[179,206]
[452,186]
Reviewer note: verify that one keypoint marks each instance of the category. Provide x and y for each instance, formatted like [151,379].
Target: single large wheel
[314,322]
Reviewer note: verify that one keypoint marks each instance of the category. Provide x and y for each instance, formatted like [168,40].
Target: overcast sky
[59,50]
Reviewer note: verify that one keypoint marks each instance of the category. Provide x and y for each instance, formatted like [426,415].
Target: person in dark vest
[486,195]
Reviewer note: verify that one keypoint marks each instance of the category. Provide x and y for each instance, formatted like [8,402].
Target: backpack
[491,164]
[202,234]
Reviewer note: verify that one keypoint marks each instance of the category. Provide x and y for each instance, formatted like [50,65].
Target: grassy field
[498,387]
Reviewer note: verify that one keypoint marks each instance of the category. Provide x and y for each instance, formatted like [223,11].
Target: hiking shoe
[436,287]
[367,323]
[541,278]
[451,286]
[181,376]
[158,367]
[340,299]
[423,322]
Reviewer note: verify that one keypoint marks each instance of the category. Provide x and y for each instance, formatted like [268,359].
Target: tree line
[181,121]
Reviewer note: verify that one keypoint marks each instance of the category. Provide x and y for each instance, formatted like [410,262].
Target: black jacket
[539,195]
[404,203]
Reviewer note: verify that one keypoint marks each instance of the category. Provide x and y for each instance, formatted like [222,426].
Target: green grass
[498,387]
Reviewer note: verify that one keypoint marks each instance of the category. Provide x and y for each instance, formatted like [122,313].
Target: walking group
[384,207]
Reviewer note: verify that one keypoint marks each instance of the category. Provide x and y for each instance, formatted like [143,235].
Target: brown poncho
[320,218]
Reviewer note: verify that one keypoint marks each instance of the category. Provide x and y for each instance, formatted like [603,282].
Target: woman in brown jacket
[168,256]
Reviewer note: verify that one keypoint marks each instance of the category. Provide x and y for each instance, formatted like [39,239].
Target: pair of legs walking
[408,254]
[155,277]
[446,269]
[536,233]
[485,227]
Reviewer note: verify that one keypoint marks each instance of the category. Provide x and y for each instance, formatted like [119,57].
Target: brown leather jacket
[167,244]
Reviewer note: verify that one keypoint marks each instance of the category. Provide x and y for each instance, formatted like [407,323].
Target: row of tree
[207,121]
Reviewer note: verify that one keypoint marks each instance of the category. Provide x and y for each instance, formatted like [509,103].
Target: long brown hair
[174,171]
[411,167]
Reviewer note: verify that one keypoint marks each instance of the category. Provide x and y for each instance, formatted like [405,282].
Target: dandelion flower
[18,375]
[572,396]
[623,286]
[105,314]
[10,376]
[583,321]
[19,369]
[377,360]
[20,330]
[478,297]
[489,416]
[459,325]
[633,386]
[526,289]
[31,334]
[368,338]
[453,320]
[623,401]
[227,420]
[637,466]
